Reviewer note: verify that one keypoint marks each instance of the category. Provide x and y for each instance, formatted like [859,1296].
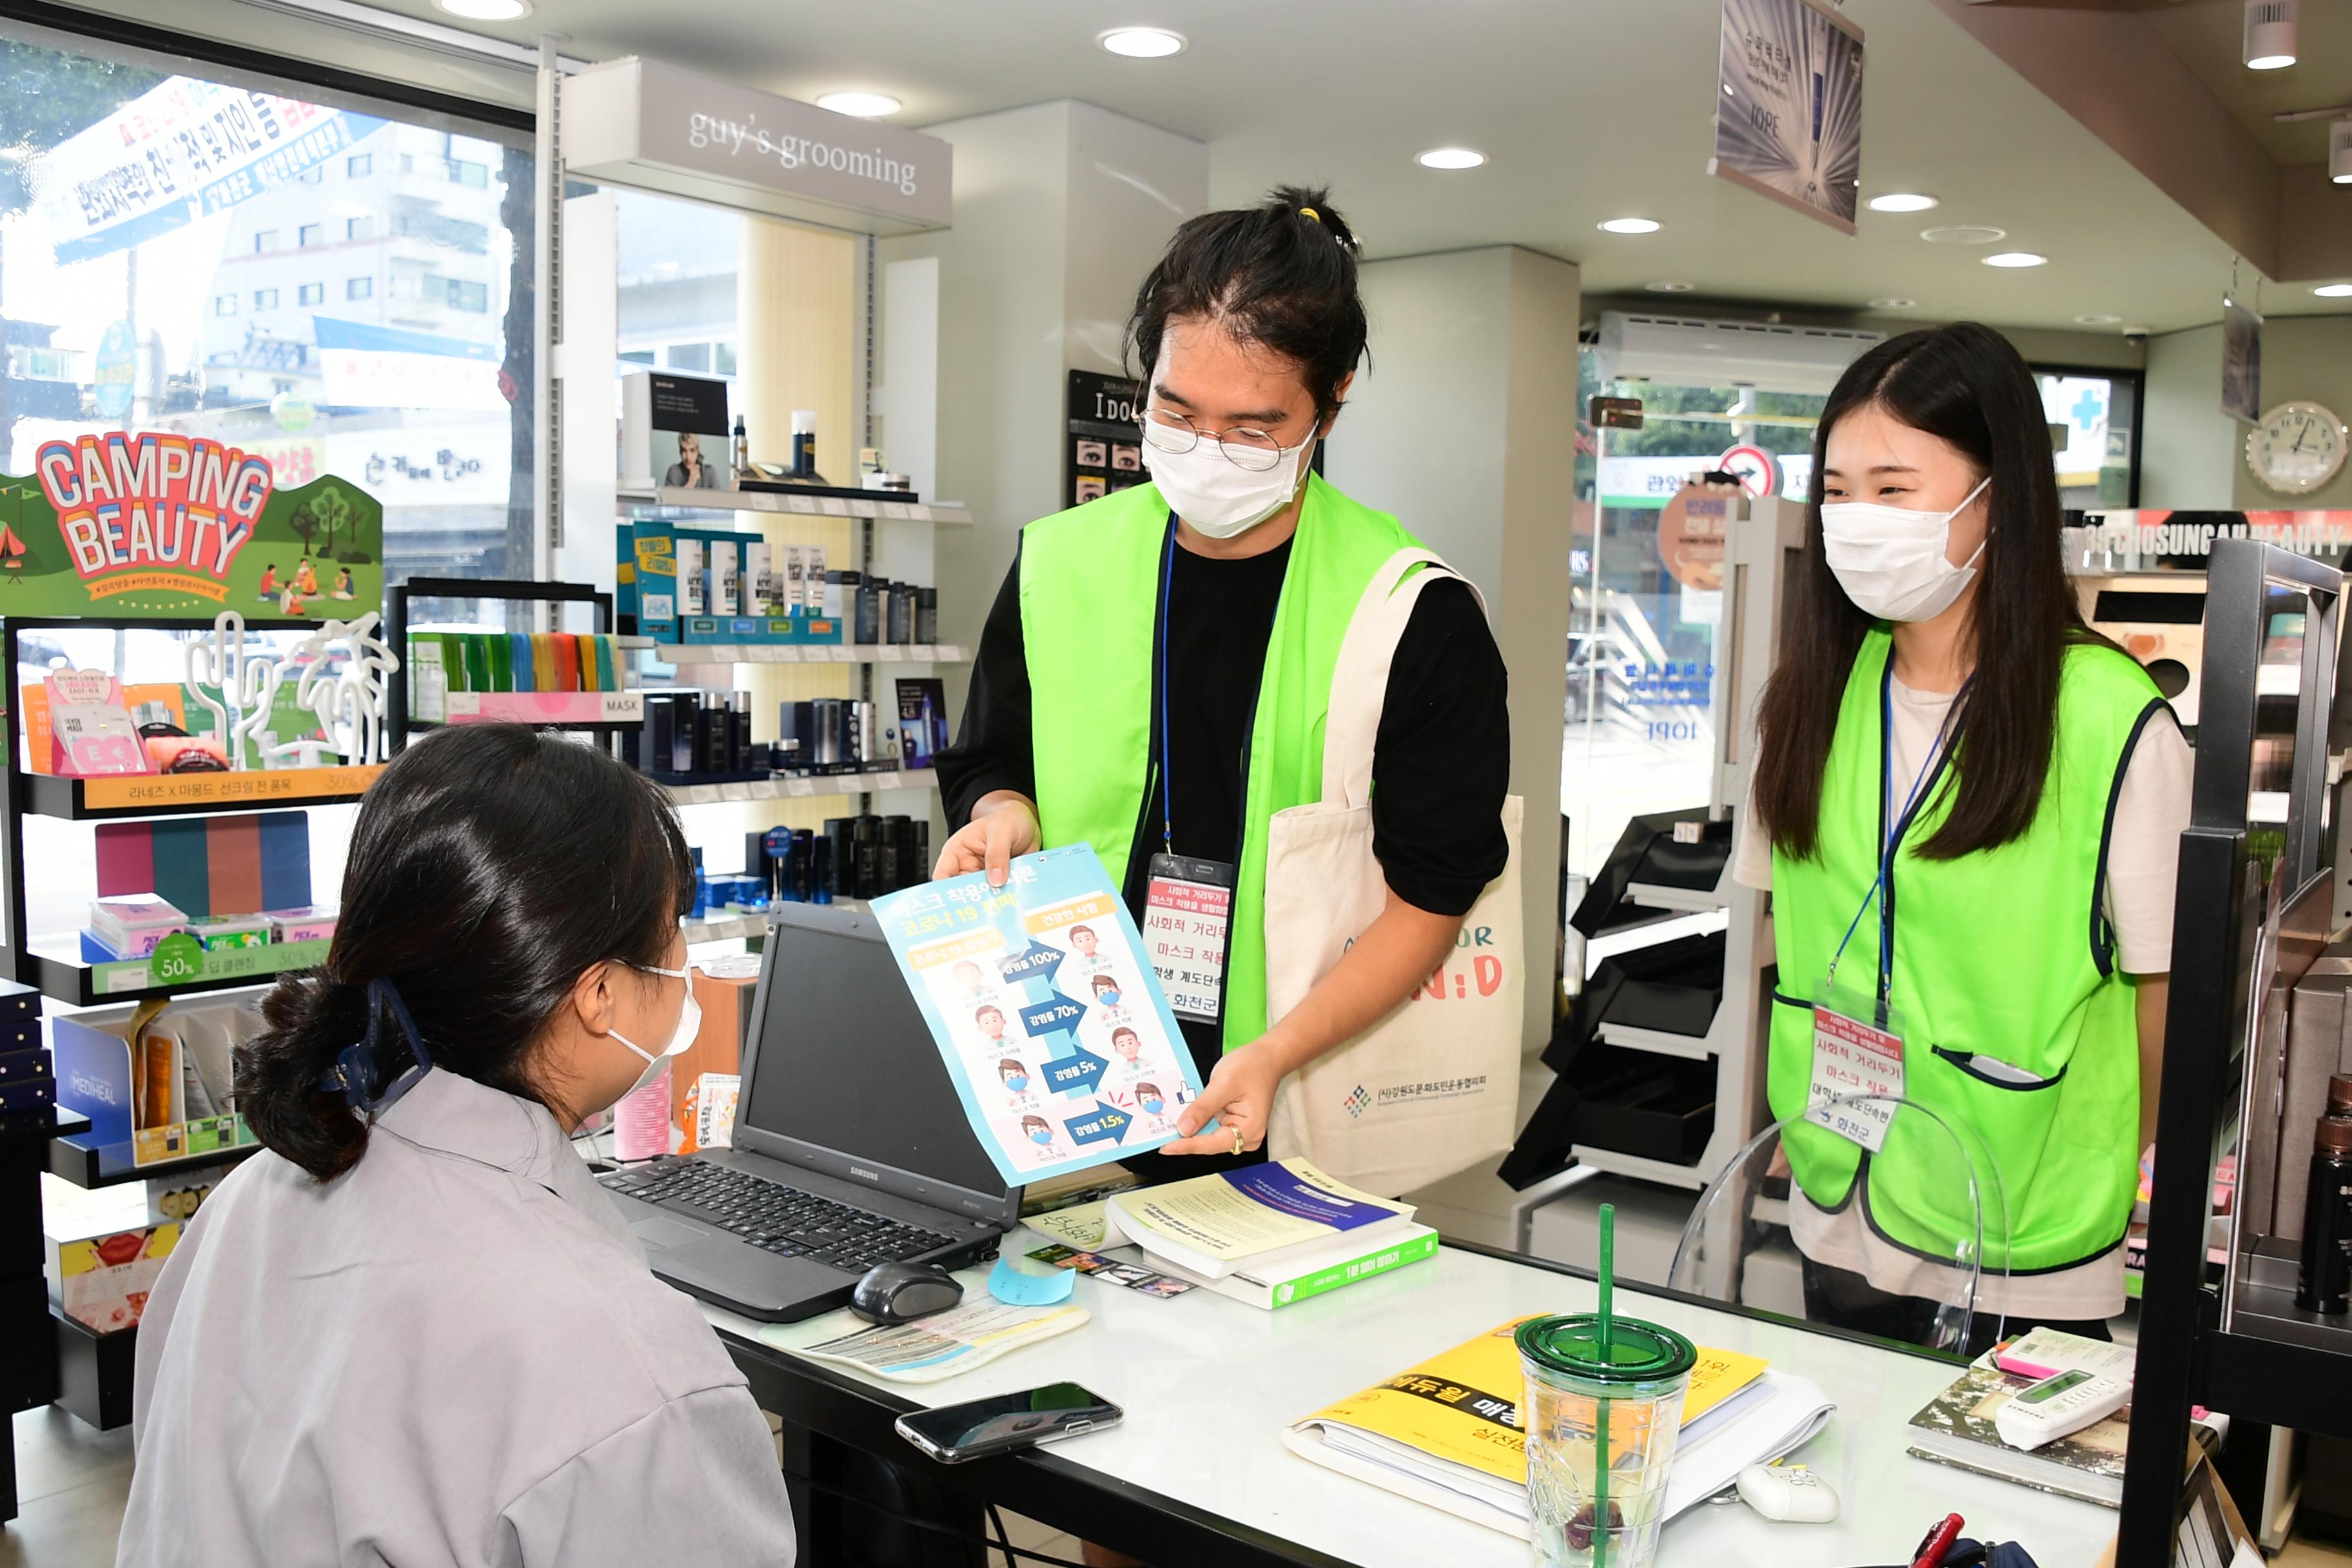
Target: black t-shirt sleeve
[992,748]
[1441,761]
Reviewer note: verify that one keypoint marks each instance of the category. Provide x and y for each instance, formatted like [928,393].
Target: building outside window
[399,396]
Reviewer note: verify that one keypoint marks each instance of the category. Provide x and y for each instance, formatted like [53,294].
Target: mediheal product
[133,925]
[249,931]
[312,923]
[693,576]
[795,576]
[726,575]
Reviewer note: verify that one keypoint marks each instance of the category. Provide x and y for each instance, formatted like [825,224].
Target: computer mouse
[901,1292]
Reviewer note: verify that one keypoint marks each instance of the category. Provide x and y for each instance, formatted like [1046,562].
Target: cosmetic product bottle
[718,759]
[805,879]
[902,612]
[804,443]
[2339,1094]
[886,860]
[865,837]
[742,449]
[740,759]
[841,862]
[826,711]
[773,845]
[2326,1286]
[927,615]
[869,735]
[840,593]
[820,869]
[869,609]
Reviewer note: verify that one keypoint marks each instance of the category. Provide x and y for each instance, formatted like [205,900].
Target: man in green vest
[1153,676]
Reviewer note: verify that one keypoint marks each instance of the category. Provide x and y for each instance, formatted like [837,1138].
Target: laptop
[851,1147]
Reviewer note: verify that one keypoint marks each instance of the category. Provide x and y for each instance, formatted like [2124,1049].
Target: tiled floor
[71,1484]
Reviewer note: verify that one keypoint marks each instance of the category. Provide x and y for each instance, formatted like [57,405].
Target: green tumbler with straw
[1602,1415]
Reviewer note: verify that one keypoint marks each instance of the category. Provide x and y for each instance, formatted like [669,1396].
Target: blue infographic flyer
[1050,1019]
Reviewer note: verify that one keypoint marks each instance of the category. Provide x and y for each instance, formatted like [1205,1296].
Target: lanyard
[1948,737]
[1160,681]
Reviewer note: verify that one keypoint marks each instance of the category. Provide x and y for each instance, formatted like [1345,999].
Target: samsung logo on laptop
[861,1171]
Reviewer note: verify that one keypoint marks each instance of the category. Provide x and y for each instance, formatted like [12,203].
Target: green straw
[1601,1434]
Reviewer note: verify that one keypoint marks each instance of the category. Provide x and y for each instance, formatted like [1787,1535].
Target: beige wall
[2195,454]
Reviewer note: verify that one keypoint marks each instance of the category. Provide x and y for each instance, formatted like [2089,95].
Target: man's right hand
[1003,825]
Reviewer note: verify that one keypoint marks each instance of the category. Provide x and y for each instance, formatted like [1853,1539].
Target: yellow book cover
[542,662]
[1464,1405]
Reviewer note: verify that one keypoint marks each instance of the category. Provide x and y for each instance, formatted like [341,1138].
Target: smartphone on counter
[979,1427]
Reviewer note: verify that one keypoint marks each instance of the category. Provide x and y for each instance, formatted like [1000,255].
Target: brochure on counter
[1447,1433]
[1048,1016]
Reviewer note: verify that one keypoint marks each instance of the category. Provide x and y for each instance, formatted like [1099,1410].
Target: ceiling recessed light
[2340,151]
[1894,302]
[1142,43]
[2334,291]
[486,10]
[1901,202]
[2271,28]
[1963,234]
[1669,286]
[1451,158]
[864,105]
[1631,225]
[2095,319]
[2015,258]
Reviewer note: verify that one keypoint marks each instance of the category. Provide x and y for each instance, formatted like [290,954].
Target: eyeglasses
[1172,433]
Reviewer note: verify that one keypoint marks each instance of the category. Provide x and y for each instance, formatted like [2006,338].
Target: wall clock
[2299,446]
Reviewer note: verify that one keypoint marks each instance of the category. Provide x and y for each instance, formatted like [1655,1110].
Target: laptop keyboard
[776,1218]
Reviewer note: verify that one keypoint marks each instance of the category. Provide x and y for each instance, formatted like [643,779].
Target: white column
[1464,426]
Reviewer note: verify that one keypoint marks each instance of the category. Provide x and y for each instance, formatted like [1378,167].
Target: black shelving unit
[397,723]
[2246,929]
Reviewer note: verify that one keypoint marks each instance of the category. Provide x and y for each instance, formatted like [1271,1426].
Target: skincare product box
[310,924]
[131,926]
[252,931]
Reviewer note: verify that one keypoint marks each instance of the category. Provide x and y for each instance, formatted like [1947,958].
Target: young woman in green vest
[1153,676]
[1967,807]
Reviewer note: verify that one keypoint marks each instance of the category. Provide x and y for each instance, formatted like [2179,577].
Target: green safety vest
[1089,583]
[2002,953]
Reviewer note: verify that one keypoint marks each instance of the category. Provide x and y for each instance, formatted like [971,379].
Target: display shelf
[803,787]
[1690,1047]
[53,964]
[731,928]
[876,509]
[74,1158]
[193,794]
[683,654]
[1640,1167]
[577,727]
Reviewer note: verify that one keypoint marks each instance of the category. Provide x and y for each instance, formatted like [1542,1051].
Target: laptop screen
[842,1062]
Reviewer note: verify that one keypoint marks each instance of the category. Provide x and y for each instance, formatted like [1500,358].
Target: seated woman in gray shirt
[414,1330]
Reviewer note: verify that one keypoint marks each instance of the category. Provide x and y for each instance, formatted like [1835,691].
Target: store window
[2094,431]
[1647,597]
[690,356]
[423,400]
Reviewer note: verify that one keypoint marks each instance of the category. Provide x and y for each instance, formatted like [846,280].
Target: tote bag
[1433,1088]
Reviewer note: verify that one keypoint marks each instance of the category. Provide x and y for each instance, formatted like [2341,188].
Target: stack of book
[1271,1235]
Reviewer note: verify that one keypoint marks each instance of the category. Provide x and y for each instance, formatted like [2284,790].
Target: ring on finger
[1237,1140]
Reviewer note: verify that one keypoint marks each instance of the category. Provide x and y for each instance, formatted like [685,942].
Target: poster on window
[1787,106]
[165,525]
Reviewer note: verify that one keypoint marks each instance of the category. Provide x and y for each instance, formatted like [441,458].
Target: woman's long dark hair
[1966,384]
[490,867]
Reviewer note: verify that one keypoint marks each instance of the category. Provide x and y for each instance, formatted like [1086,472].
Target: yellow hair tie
[1310,213]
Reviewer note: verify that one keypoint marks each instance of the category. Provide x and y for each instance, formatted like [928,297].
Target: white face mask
[1220,497]
[689,1023]
[1891,562]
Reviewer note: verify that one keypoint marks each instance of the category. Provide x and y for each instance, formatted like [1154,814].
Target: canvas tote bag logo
[1432,1089]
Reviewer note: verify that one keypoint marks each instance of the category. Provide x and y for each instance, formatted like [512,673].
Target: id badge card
[1188,908]
[1855,1056]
